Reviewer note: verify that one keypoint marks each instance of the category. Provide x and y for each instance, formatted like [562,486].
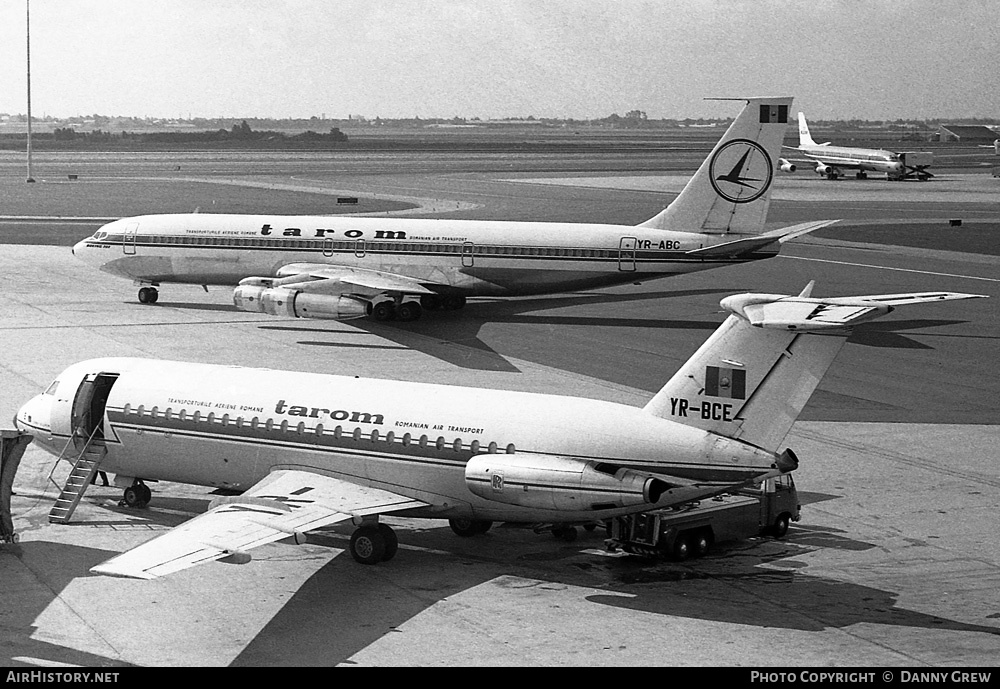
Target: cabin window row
[390,247]
[338,432]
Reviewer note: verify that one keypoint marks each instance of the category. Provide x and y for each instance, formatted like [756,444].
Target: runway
[894,562]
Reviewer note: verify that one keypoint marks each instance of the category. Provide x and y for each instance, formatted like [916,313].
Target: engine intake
[560,483]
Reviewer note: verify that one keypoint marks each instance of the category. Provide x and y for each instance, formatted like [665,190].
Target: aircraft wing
[286,503]
[319,277]
[745,245]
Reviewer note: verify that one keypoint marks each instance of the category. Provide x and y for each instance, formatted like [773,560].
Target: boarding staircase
[85,467]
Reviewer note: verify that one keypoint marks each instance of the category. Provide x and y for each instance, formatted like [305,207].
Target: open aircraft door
[88,407]
[128,244]
[626,254]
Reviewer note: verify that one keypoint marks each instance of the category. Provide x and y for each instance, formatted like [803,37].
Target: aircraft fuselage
[228,427]
[489,258]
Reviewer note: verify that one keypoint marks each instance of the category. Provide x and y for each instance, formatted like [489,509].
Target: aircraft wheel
[148,295]
[408,311]
[780,527]
[145,494]
[861,175]
[384,311]
[431,302]
[453,302]
[391,541]
[682,548]
[134,495]
[469,527]
[368,545]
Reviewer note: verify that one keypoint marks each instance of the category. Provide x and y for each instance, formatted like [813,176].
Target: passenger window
[492,448]
[338,432]
[319,429]
[154,412]
[357,433]
[423,441]
[128,408]
[284,426]
[374,437]
[301,428]
[440,442]
[254,423]
[510,448]
[269,425]
[406,439]
[474,446]
[457,445]
[225,419]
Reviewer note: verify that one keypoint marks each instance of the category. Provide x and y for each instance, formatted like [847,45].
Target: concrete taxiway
[893,563]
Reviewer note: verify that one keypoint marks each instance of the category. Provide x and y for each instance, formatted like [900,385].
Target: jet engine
[560,483]
[786,165]
[281,301]
[822,169]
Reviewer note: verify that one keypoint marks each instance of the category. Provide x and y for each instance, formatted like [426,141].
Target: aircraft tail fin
[751,379]
[731,191]
[805,138]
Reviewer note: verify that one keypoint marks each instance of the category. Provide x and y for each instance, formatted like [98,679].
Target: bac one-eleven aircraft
[310,450]
[350,267]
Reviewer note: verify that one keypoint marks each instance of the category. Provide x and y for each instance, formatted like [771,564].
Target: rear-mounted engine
[560,483]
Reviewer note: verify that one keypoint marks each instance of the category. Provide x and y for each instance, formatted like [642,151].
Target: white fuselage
[469,257]
[866,159]
[228,427]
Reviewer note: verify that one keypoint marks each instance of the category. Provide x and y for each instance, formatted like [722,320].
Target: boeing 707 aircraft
[831,161]
[350,267]
[308,450]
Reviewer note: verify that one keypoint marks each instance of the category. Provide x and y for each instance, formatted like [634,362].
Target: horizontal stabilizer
[806,314]
[749,244]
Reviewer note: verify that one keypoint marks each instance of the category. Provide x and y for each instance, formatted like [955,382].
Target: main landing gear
[398,310]
[373,543]
[136,495]
[148,295]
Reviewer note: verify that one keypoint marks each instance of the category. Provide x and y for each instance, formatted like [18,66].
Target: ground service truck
[691,529]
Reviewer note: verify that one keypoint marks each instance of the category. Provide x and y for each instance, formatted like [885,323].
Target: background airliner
[348,267]
[831,161]
[311,450]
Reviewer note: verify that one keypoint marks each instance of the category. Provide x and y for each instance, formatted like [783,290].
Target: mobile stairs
[86,464]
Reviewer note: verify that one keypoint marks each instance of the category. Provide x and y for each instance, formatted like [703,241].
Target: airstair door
[626,254]
[88,407]
[128,244]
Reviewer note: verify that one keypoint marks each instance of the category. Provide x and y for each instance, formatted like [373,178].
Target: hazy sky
[873,59]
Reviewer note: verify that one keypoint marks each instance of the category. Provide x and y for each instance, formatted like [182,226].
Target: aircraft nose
[33,416]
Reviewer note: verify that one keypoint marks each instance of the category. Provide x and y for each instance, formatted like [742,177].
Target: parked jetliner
[349,267]
[833,160]
[310,450]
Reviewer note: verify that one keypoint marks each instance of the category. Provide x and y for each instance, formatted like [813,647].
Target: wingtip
[112,571]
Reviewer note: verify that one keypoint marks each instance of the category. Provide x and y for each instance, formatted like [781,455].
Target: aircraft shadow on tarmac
[885,333]
[55,566]
[344,608]
[453,337]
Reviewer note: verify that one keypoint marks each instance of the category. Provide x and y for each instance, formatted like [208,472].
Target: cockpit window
[51,390]
[100,234]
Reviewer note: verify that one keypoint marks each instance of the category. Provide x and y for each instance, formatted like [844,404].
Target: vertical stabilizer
[731,191]
[805,138]
[747,383]
[754,375]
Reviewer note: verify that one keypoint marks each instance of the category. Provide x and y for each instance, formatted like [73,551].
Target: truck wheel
[682,548]
[700,544]
[780,527]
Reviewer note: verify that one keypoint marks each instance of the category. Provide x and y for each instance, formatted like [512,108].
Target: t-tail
[731,191]
[805,138]
[754,375]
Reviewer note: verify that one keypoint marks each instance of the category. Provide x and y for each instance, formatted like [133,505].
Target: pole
[27,4]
